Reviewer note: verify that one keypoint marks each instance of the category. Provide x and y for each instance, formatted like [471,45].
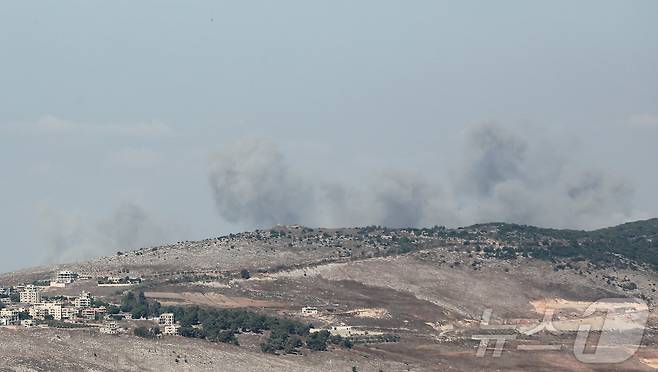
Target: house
[92,313]
[27,323]
[125,315]
[309,310]
[9,317]
[349,331]
[82,301]
[171,329]
[167,319]
[30,295]
[117,282]
[69,312]
[45,310]
[66,277]
[5,300]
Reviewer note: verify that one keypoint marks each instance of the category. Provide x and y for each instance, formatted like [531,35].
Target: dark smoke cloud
[502,176]
[516,179]
[252,184]
[71,237]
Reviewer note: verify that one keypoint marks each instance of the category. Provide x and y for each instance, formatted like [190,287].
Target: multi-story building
[69,312]
[9,317]
[171,329]
[92,313]
[84,300]
[167,319]
[66,276]
[30,295]
[47,309]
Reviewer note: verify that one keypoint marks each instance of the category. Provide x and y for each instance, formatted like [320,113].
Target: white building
[84,300]
[30,295]
[167,319]
[69,312]
[93,313]
[171,329]
[9,317]
[66,277]
[309,310]
[27,323]
[46,309]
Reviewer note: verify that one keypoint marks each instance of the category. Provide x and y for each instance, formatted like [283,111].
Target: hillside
[426,288]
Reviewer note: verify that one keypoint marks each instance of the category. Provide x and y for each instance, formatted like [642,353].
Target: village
[27,306]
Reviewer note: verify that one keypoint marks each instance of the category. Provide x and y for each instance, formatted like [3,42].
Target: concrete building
[9,317]
[84,300]
[309,310]
[46,309]
[92,313]
[66,277]
[69,312]
[167,319]
[30,295]
[171,329]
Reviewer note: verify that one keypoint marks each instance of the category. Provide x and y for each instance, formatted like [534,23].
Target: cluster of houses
[32,306]
[25,305]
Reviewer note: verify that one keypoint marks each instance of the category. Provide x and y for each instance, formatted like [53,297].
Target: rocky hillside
[426,287]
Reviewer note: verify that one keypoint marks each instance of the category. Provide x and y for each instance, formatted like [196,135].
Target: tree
[318,341]
[292,344]
[245,274]
[145,332]
[142,332]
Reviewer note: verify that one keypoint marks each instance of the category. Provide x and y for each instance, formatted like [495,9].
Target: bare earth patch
[209,299]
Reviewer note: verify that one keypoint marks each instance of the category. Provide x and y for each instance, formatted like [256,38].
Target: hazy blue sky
[128,123]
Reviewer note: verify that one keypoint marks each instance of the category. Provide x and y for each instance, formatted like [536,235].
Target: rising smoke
[72,237]
[502,176]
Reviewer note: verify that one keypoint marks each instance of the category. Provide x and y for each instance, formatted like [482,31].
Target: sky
[126,124]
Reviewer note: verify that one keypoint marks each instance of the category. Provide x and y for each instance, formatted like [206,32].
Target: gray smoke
[253,185]
[502,176]
[515,179]
[72,237]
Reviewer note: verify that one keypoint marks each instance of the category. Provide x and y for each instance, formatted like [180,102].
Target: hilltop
[426,288]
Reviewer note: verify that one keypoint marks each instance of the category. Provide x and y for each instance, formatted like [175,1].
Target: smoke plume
[73,237]
[501,176]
